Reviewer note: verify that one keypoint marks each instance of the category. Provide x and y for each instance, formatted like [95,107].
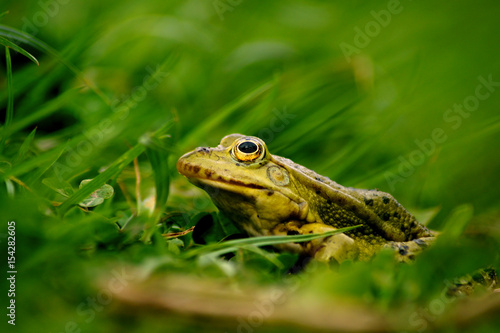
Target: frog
[266,195]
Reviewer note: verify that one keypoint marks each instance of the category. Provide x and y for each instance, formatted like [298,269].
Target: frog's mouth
[203,178]
[225,184]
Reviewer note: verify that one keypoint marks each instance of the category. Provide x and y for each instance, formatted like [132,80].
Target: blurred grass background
[117,71]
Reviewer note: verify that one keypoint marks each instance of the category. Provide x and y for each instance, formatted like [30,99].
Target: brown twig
[177,234]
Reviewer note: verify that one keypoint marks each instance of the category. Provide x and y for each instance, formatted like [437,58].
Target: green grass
[117,91]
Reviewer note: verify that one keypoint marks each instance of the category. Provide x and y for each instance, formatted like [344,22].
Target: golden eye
[248,150]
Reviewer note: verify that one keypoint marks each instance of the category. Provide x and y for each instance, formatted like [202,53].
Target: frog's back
[384,219]
[390,212]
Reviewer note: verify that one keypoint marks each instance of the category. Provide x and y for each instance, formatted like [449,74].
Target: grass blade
[229,246]
[54,155]
[158,153]
[458,220]
[101,179]
[10,99]
[28,39]
[8,43]
[44,111]
[23,150]
[49,156]
[158,150]
[219,116]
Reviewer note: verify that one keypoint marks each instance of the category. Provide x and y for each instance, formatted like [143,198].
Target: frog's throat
[235,186]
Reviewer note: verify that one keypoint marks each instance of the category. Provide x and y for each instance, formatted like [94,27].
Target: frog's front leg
[338,247]
[406,251]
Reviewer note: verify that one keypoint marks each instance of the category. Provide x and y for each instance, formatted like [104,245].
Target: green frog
[265,194]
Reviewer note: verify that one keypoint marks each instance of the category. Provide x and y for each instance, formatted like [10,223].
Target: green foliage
[8,44]
[98,196]
[121,89]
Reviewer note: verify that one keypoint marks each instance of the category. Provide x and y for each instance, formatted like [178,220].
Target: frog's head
[245,182]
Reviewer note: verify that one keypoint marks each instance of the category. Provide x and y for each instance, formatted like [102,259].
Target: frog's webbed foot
[337,247]
[406,251]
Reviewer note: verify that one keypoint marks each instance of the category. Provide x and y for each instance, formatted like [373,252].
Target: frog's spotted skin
[270,195]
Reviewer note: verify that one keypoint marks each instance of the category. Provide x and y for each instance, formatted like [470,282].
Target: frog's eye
[248,150]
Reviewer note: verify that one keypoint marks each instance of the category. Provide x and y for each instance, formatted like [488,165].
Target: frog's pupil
[248,147]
